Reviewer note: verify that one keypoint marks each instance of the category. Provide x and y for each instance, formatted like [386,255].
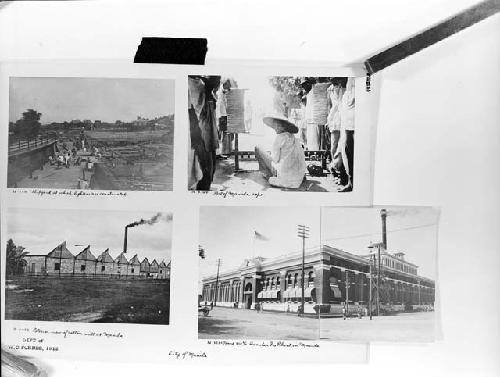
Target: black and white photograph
[88,266]
[343,274]
[91,133]
[271,133]
[379,274]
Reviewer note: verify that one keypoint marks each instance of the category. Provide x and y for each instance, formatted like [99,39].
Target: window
[160,271]
[57,266]
[311,276]
[132,271]
[82,267]
[103,268]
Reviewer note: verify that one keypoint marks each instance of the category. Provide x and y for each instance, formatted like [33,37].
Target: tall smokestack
[125,240]
[383,215]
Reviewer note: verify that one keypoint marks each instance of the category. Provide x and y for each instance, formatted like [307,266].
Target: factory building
[61,262]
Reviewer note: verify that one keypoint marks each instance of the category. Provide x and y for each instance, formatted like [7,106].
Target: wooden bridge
[27,145]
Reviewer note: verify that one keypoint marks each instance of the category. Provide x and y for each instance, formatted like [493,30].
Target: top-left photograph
[91,133]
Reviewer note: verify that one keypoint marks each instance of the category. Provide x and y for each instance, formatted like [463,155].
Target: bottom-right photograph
[337,273]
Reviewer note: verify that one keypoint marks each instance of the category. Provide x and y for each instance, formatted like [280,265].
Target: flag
[260,236]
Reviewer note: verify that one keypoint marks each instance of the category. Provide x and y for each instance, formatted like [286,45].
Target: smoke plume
[153,220]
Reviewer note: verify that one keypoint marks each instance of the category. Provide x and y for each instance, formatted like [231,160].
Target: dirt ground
[227,323]
[251,180]
[87,300]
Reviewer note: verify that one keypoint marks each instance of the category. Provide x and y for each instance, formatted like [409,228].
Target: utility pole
[217,281]
[378,280]
[372,256]
[419,301]
[346,293]
[303,232]
[371,277]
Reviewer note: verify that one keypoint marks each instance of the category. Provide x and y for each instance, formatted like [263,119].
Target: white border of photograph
[152,343]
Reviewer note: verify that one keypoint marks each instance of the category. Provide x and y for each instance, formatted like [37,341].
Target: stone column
[353,294]
[282,283]
[360,277]
[322,283]
[242,289]
[342,283]
[255,288]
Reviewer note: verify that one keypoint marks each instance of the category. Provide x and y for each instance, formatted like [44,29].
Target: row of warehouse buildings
[61,262]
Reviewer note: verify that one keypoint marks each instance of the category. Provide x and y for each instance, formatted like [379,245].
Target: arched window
[296,279]
[310,278]
[289,282]
[278,282]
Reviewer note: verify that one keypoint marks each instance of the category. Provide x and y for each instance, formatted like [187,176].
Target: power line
[371,234]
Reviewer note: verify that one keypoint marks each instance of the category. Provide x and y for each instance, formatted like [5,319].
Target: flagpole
[253,244]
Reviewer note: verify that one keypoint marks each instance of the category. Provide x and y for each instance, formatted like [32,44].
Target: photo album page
[202,214]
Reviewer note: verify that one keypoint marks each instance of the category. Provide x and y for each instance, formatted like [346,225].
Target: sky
[227,233]
[261,96]
[41,233]
[106,99]
[412,230]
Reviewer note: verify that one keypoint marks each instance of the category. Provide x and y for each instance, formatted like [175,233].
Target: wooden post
[236,157]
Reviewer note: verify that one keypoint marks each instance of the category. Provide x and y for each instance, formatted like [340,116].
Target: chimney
[125,240]
[383,215]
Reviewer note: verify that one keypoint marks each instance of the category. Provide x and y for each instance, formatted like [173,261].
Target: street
[227,323]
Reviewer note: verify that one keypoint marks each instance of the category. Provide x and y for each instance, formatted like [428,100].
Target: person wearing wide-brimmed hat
[286,165]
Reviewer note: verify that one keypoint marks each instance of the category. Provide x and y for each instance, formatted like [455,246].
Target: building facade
[332,278]
[61,262]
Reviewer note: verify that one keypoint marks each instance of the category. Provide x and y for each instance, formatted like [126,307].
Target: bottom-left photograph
[96,266]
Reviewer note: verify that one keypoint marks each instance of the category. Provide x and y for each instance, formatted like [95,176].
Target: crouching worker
[285,166]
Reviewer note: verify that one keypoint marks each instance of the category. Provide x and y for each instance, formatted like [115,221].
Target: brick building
[332,277]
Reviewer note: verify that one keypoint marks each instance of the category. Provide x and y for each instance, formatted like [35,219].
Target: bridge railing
[27,144]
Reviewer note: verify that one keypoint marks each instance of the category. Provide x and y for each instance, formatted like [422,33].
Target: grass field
[87,300]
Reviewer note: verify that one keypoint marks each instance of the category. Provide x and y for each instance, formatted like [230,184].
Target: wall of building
[89,267]
[35,265]
[349,279]
[66,266]
[46,265]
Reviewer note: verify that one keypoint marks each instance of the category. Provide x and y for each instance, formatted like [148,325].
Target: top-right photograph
[271,133]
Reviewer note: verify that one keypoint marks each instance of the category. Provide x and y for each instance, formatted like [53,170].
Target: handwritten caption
[33,338]
[263,343]
[66,192]
[230,194]
[183,355]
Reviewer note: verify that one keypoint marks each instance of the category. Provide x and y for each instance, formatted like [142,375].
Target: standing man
[203,129]
[225,138]
[347,133]
[335,92]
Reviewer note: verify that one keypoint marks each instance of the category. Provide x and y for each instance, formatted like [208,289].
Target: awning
[336,292]
[274,293]
[308,292]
